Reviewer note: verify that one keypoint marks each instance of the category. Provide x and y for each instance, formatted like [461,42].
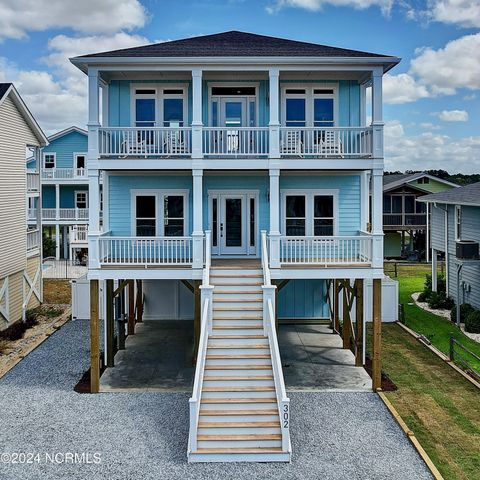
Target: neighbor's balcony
[79,234]
[33,240]
[33,182]
[145,251]
[401,220]
[326,251]
[52,214]
[64,173]
[236,142]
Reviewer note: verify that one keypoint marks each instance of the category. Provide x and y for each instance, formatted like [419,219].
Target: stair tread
[239,389]
[237,300]
[219,291]
[238,317]
[238,424]
[239,346]
[238,327]
[236,337]
[241,450]
[238,367]
[234,275]
[234,412]
[242,356]
[239,400]
[251,436]
[235,309]
[242,378]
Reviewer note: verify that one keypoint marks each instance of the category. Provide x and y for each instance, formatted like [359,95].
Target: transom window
[309,107]
[160,213]
[159,106]
[309,213]
[49,160]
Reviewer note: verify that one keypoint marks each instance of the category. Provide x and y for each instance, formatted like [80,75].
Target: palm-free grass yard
[437,403]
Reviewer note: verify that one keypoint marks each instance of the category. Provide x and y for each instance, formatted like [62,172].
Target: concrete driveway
[335,435]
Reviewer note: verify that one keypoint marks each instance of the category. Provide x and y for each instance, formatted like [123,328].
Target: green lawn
[436,402]
[436,329]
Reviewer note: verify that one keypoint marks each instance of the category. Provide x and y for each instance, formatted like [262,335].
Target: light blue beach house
[243,166]
[63,175]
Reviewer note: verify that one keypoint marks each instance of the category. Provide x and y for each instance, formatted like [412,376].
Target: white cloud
[59,99]
[430,150]
[452,115]
[447,69]
[316,5]
[18,17]
[402,88]
[430,126]
[465,13]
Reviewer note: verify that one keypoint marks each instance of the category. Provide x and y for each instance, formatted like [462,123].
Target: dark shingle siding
[234,44]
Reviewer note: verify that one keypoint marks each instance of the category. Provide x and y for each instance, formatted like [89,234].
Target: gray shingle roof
[235,44]
[467,195]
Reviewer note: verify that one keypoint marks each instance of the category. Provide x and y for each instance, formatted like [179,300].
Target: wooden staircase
[239,415]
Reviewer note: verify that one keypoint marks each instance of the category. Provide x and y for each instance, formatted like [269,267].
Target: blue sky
[432,98]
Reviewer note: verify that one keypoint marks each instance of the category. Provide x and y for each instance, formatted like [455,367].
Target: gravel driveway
[144,435]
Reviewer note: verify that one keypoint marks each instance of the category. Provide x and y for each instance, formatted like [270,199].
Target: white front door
[233,222]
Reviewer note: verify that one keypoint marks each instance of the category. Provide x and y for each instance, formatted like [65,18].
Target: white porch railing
[406,219]
[33,181]
[63,173]
[32,214]
[145,251]
[269,327]
[326,142]
[144,142]
[65,214]
[33,239]
[235,141]
[350,250]
[79,234]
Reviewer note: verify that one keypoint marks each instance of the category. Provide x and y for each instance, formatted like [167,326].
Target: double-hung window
[48,160]
[81,199]
[458,222]
[160,213]
[309,213]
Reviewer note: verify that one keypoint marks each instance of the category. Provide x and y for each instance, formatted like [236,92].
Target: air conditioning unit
[467,250]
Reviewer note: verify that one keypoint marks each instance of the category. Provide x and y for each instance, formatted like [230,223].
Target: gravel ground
[144,435]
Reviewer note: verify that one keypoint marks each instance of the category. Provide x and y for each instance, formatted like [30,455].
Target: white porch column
[274,123]
[197,124]
[57,241]
[92,167]
[377,115]
[275,218]
[434,270]
[197,233]
[377,217]
[57,201]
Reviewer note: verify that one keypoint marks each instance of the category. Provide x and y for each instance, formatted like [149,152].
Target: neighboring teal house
[65,193]
[406,222]
[239,167]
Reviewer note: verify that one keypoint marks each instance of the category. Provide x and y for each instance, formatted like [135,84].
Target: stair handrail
[283,402]
[194,400]
[208,258]
[266,269]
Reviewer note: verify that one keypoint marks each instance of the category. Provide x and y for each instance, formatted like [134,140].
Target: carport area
[313,358]
[159,357]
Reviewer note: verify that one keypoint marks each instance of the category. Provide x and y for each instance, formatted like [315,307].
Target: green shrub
[472,322]
[465,309]
[49,247]
[439,300]
[31,317]
[423,297]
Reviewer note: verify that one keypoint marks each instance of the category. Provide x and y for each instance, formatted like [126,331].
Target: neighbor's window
[80,199]
[295,215]
[145,211]
[49,160]
[322,215]
[80,161]
[173,215]
[458,222]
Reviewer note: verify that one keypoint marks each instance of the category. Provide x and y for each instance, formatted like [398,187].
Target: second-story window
[145,219]
[173,108]
[48,160]
[173,215]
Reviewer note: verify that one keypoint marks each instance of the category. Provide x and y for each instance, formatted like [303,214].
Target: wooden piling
[377,334]
[109,327]
[131,307]
[359,322]
[94,338]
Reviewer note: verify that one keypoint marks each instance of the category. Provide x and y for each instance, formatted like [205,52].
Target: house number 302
[285,416]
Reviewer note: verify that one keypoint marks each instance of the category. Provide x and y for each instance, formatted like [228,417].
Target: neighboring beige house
[20,248]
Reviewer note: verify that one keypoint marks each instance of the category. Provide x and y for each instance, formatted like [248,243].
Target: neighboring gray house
[455,222]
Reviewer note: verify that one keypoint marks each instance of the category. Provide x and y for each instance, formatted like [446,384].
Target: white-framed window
[80,161]
[159,105]
[309,106]
[81,199]
[458,222]
[309,212]
[49,160]
[162,213]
